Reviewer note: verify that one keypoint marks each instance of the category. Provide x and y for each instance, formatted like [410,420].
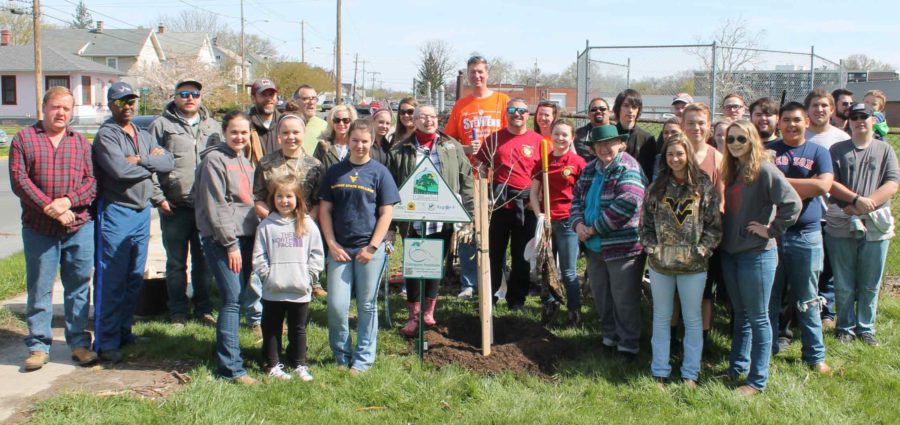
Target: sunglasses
[846,103]
[739,139]
[858,117]
[407,111]
[520,111]
[122,102]
[186,94]
[598,109]
[341,120]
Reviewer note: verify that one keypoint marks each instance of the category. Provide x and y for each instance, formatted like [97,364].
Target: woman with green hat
[606,217]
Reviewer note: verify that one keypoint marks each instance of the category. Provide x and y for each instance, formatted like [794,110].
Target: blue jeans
[251,300]
[468,265]
[231,285]
[800,262]
[857,266]
[826,284]
[345,279]
[121,237]
[74,256]
[749,277]
[690,293]
[179,234]
[565,246]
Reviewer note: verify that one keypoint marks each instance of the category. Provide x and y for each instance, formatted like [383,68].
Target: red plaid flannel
[40,173]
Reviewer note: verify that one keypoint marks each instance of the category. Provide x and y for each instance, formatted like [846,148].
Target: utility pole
[373,74]
[337,59]
[243,61]
[302,45]
[363,90]
[355,65]
[38,72]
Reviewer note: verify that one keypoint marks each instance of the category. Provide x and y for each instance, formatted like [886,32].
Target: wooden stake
[485,294]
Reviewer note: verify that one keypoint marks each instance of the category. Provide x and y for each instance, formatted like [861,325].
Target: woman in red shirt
[564,167]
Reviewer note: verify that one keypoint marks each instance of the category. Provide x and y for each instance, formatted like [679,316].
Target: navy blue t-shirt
[802,162]
[356,192]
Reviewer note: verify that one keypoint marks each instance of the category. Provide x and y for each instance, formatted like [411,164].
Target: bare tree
[501,70]
[160,78]
[19,27]
[435,64]
[860,62]
[735,43]
[191,20]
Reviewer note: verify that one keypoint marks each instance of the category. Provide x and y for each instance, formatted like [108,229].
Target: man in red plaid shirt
[51,172]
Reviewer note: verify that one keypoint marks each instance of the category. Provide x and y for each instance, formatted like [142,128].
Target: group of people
[267,201]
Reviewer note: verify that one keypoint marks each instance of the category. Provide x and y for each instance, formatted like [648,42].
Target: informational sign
[423,258]
[425,196]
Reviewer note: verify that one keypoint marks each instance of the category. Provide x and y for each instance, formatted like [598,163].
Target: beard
[843,115]
[765,134]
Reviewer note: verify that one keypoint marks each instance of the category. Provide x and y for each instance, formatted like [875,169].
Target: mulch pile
[521,346]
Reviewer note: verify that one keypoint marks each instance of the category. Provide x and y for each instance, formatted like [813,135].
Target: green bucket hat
[605,133]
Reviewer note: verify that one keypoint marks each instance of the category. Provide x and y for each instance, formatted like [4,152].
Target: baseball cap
[262,85]
[860,108]
[120,90]
[188,81]
[683,98]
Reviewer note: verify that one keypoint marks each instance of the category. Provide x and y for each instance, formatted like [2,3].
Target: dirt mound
[521,346]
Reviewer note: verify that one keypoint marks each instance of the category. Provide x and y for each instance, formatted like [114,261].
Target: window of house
[85,90]
[112,63]
[8,88]
[56,80]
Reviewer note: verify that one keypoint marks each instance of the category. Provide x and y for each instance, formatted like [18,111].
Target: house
[87,79]
[229,59]
[193,46]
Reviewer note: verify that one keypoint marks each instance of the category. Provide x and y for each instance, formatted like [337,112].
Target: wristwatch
[372,248]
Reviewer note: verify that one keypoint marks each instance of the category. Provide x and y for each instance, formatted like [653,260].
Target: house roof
[21,59]
[223,52]
[182,44]
[89,42]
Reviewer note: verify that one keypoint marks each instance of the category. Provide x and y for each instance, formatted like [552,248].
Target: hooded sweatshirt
[769,200]
[286,263]
[175,134]
[223,200]
[119,181]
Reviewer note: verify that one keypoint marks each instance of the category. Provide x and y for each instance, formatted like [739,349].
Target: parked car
[363,111]
[4,139]
[143,121]
[327,105]
[395,106]
[375,105]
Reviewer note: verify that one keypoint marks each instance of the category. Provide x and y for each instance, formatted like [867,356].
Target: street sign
[423,258]
[425,196]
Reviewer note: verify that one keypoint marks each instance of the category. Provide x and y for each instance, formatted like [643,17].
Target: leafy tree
[435,65]
[82,17]
[290,75]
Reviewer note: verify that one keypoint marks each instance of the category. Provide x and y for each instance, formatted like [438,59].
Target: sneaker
[178,322]
[869,339]
[303,373]
[208,320]
[36,360]
[244,380]
[466,294]
[318,292]
[277,372]
[782,344]
[846,338]
[84,357]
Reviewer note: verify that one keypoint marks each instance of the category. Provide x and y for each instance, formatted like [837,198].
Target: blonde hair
[880,96]
[756,156]
[290,183]
[329,130]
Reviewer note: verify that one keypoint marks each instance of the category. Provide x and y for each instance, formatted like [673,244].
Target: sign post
[425,197]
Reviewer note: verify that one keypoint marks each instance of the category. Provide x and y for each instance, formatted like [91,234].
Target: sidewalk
[19,388]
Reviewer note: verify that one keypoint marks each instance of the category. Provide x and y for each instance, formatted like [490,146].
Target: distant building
[792,82]
[891,90]
[563,96]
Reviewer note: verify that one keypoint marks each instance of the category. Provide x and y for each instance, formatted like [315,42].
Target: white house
[87,79]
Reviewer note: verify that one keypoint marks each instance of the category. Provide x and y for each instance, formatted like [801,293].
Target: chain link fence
[707,72]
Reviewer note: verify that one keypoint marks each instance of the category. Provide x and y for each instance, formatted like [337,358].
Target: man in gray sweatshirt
[185,128]
[125,158]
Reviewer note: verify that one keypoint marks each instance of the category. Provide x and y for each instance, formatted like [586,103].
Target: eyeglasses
[337,120]
[739,139]
[186,94]
[598,109]
[428,117]
[734,106]
[407,111]
[858,117]
[122,102]
[307,99]
[521,111]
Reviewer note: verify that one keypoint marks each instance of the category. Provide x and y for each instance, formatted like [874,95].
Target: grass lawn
[12,275]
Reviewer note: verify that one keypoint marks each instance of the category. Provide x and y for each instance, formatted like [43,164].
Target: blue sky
[387,34]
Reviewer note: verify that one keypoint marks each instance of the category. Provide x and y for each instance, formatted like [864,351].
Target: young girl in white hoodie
[288,256]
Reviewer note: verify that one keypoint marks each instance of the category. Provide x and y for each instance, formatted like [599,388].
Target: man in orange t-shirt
[473,118]
[479,114]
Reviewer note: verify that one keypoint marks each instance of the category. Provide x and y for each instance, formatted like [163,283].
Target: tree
[860,62]
[290,75]
[735,52]
[82,17]
[435,65]
[19,27]
[198,20]
[161,78]
[501,70]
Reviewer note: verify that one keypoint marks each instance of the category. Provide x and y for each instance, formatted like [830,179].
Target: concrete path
[19,387]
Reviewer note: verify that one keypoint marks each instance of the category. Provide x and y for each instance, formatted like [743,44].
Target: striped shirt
[40,173]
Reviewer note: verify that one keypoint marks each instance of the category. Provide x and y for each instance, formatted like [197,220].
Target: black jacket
[642,146]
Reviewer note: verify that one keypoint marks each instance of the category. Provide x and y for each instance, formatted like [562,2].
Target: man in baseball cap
[120,90]
[679,102]
[264,116]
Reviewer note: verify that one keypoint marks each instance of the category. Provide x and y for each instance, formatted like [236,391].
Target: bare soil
[521,346]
